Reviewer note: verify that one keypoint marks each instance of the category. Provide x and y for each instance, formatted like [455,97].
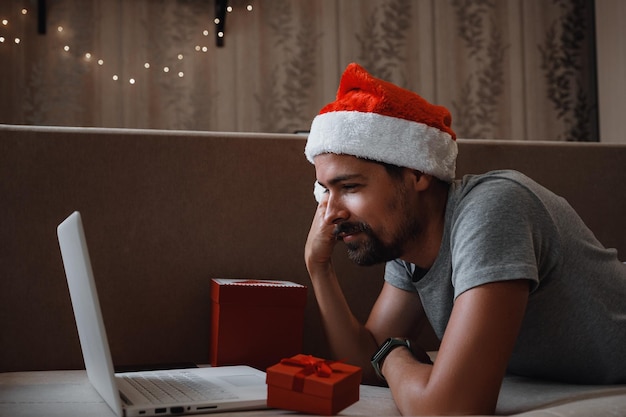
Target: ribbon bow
[310,366]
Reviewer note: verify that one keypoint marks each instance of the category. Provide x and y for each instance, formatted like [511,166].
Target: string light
[90,57]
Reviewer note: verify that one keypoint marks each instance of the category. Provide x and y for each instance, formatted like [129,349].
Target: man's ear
[420,180]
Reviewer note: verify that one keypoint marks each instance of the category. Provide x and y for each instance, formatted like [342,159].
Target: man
[505,271]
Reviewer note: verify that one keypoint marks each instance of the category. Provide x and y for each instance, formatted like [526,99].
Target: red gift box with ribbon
[312,385]
[255,322]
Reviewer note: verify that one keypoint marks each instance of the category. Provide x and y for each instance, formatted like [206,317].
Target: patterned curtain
[507,69]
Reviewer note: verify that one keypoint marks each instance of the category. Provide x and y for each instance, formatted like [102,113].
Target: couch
[166,211]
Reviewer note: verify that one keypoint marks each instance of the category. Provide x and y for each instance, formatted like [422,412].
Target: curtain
[507,69]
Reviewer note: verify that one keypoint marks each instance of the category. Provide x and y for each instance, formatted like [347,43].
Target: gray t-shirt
[504,226]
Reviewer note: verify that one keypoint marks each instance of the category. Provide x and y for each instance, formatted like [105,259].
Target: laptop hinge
[125,399]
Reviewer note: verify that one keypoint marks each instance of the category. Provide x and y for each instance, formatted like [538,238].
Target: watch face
[384,350]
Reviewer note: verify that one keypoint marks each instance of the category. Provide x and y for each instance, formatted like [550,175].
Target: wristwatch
[389,345]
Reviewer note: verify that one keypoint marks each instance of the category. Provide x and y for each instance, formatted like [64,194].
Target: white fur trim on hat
[385,139]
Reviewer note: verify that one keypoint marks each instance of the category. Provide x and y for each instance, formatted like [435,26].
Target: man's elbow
[423,404]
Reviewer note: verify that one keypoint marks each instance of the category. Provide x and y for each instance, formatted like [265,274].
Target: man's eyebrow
[342,178]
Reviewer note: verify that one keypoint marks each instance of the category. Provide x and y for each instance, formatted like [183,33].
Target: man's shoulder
[495,183]
[498,194]
[503,176]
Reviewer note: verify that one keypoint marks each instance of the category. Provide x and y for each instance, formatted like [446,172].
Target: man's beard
[370,249]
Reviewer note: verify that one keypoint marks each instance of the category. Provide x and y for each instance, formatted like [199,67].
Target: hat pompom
[318,192]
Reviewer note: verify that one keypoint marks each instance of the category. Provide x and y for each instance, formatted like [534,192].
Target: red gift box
[308,384]
[254,322]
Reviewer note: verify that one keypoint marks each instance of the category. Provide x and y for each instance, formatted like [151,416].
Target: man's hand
[320,241]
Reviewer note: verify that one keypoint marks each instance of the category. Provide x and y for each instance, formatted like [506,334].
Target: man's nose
[335,211]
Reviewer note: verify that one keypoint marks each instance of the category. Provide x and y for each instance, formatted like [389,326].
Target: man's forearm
[349,339]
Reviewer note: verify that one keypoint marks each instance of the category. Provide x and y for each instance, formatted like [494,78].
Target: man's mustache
[350,228]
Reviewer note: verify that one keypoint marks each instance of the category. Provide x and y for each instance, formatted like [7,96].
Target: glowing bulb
[216,21]
[229,9]
[115,78]
[60,29]
[166,69]
[5,22]
[87,55]
[100,62]
[249,7]
[204,49]
[17,40]
[197,48]
[1,39]
[180,57]
[66,48]
[181,74]
[146,65]
[132,81]
[220,34]
[24,11]
[206,32]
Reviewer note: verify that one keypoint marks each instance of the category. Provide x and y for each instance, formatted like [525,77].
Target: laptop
[146,393]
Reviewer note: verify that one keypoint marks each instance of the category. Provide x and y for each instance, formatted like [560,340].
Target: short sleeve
[398,274]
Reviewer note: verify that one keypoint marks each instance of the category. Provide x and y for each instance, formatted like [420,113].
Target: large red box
[255,322]
[312,385]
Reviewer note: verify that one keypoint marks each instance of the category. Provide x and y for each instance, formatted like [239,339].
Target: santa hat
[374,119]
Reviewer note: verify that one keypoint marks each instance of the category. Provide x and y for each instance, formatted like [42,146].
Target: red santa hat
[374,119]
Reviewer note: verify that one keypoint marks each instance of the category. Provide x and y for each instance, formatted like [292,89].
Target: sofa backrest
[591,176]
[165,211]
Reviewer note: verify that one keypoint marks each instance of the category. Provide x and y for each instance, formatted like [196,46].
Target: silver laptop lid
[91,331]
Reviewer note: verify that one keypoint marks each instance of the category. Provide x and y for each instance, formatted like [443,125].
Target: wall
[508,69]
[611,40]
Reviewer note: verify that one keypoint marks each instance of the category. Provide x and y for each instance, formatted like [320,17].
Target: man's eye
[350,187]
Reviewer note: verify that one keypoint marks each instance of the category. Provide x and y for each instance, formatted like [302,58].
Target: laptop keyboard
[168,387]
